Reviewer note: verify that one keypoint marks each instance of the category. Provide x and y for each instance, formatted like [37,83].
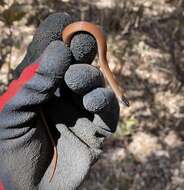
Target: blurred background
[146,53]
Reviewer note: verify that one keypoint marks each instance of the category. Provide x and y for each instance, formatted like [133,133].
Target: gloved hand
[80,112]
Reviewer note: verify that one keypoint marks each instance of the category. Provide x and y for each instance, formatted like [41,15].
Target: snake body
[95,31]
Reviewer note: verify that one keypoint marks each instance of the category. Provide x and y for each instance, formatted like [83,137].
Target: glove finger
[83,47]
[55,60]
[37,82]
[49,30]
[104,104]
[82,78]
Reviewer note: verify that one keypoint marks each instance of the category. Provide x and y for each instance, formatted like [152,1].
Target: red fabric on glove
[16,85]
[1,186]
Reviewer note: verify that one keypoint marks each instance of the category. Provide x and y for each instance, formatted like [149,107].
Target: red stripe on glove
[1,186]
[16,85]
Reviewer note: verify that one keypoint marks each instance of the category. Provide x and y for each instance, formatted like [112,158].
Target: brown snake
[95,31]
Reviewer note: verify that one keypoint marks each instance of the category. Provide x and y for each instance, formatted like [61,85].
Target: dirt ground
[146,52]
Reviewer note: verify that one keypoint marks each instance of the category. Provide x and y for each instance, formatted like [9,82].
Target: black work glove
[80,112]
